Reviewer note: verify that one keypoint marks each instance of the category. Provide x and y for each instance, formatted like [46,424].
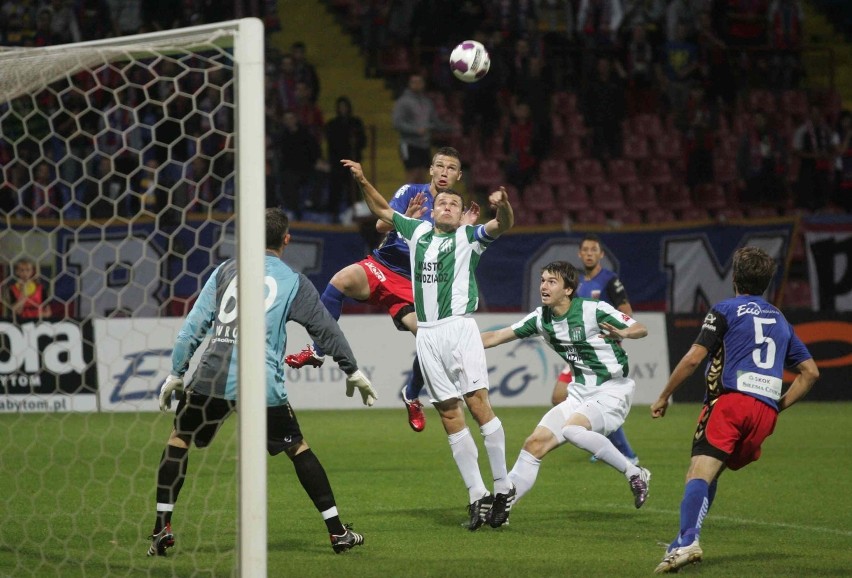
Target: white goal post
[28,72]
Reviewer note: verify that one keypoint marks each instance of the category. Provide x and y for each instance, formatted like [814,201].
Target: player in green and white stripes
[587,334]
[444,258]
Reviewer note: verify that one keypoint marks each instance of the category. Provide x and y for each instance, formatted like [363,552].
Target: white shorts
[606,407]
[452,358]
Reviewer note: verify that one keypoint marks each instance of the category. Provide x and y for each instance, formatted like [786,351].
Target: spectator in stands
[597,27]
[415,119]
[786,34]
[161,14]
[715,72]
[63,23]
[700,138]
[94,19]
[25,297]
[286,82]
[44,29]
[523,145]
[762,162]
[304,70]
[814,143]
[14,180]
[17,21]
[299,155]
[310,115]
[346,139]
[125,17]
[41,197]
[649,14]
[605,109]
[639,67]
[678,67]
[843,189]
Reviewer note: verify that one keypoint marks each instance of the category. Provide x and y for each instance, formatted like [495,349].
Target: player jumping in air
[384,277]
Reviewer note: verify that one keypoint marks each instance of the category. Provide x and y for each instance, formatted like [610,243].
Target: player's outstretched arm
[497,337]
[635,331]
[375,201]
[685,367]
[505,217]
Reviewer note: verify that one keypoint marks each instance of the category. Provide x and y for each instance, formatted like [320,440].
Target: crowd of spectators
[721,82]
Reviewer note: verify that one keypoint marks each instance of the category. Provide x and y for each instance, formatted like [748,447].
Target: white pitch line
[712,516]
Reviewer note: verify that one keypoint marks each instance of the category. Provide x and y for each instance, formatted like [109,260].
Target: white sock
[600,446]
[495,446]
[466,456]
[524,473]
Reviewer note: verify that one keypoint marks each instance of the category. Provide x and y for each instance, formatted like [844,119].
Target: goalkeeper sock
[415,384]
[313,478]
[332,298]
[170,478]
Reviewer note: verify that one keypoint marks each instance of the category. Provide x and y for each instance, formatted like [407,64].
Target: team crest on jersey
[577,334]
[447,246]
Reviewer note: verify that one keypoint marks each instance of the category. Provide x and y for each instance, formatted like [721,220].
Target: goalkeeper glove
[359,380]
[172,384]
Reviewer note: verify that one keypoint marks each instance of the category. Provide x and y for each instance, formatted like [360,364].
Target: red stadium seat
[676,197]
[554,172]
[711,196]
[564,102]
[693,213]
[725,170]
[538,197]
[669,145]
[761,212]
[589,171]
[572,197]
[636,147]
[640,196]
[623,172]
[648,125]
[486,172]
[656,215]
[590,216]
[658,172]
[607,197]
[569,148]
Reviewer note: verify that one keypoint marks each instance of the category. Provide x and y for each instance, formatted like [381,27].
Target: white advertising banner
[134,359]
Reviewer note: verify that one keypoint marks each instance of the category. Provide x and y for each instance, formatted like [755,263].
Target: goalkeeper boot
[478,511]
[416,417]
[161,540]
[676,559]
[639,486]
[346,541]
[308,356]
[499,512]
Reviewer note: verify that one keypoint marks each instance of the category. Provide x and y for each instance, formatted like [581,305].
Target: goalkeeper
[210,396]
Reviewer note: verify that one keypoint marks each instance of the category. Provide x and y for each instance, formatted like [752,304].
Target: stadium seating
[623,172]
[589,171]
[607,197]
[554,172]
[636,147]
[640,196]
[572,197]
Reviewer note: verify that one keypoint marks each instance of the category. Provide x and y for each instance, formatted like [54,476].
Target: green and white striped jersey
[442,267]
[577,337]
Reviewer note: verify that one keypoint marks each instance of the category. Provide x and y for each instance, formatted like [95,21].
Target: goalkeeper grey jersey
[577,337]
[290,296]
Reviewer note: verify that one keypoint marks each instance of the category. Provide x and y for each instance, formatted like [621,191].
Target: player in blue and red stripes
[384,277]
[749,344]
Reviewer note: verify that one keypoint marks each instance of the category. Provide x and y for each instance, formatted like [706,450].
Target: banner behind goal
[131,167]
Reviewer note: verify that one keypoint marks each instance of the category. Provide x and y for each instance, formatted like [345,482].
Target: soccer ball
[470,61]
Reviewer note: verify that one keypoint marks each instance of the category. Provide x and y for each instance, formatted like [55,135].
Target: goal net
[131,167]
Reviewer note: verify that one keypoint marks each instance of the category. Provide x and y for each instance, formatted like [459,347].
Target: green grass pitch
[78,500]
